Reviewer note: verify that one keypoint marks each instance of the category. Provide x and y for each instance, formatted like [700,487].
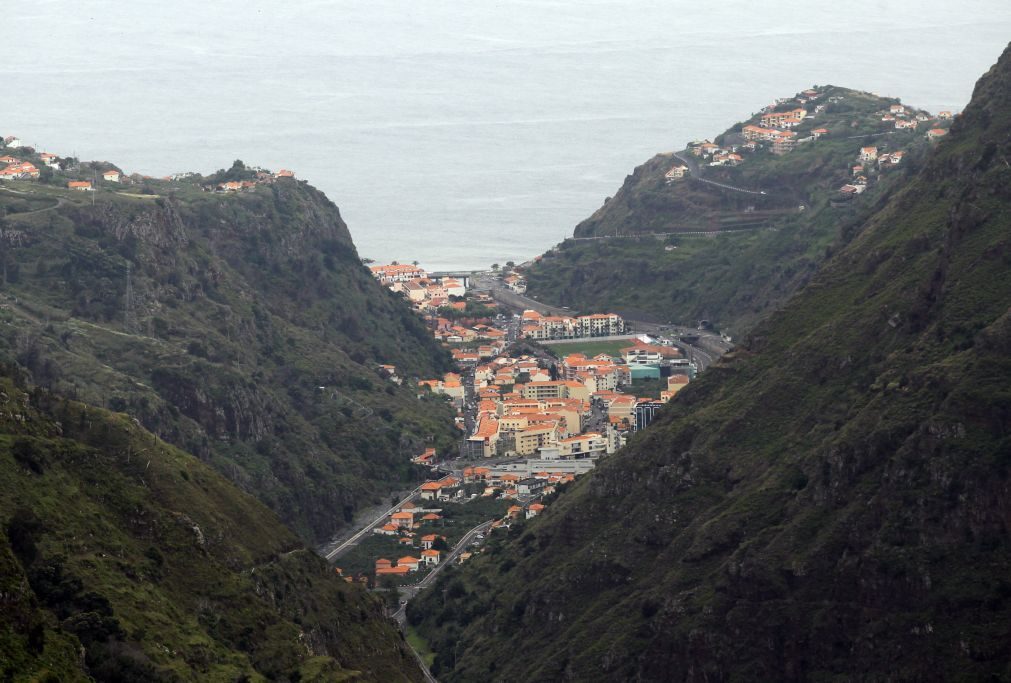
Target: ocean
[457,134]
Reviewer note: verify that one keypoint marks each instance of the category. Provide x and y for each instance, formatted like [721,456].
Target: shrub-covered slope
[242,328]
[829,503]
[758,248]
[159,568]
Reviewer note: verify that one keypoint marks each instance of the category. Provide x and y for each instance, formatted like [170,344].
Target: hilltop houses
[784,119]
[19,170]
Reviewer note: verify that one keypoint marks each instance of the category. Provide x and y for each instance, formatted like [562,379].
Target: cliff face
[242,328]
[830,501]
[126,559]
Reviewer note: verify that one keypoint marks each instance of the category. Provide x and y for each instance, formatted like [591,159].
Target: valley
[749,422]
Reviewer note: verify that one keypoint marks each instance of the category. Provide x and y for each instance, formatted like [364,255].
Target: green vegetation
[760,248]
[124,559]
[648,388]
[420,646]
[242,328]
[589,347]
[828,503]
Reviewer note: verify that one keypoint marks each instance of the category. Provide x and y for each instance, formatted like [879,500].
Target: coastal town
[539,400]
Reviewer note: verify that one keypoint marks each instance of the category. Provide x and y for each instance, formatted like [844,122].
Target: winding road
[695,171]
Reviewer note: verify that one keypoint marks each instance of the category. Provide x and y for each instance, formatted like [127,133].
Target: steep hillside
[240,327]
[829,503]
[160,569]
[693,248]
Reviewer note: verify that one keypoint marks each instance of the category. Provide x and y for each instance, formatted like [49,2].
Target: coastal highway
[353,541]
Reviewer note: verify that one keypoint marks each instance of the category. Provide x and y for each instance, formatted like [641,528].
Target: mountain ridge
[828,502]
[240,326]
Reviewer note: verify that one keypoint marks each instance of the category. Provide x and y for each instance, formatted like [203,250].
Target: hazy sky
[456,133]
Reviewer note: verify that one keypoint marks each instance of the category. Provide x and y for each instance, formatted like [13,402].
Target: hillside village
[24,163]
[789,123]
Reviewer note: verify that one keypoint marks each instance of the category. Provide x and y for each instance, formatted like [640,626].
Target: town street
[408,592]
[353,541]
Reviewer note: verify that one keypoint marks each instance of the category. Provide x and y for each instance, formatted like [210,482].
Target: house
[20,170]
[111,176]
[12,142]
[944,115]
[396,272]
[431,517]
[890,159]
[403,520]
[782,146]
[386,530]
[896,109]
[428,540]
[8,159]
[399,570]
[784,119]
[676,172]
[383,563]
[80,185]
[410,562]
[430,490]
[284,173]
[818,132]
[906,124]
[868,153]
[50,160]
[935,133]
[431,557]
[529,486]
[514,512]
[534,510]
[676,383]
